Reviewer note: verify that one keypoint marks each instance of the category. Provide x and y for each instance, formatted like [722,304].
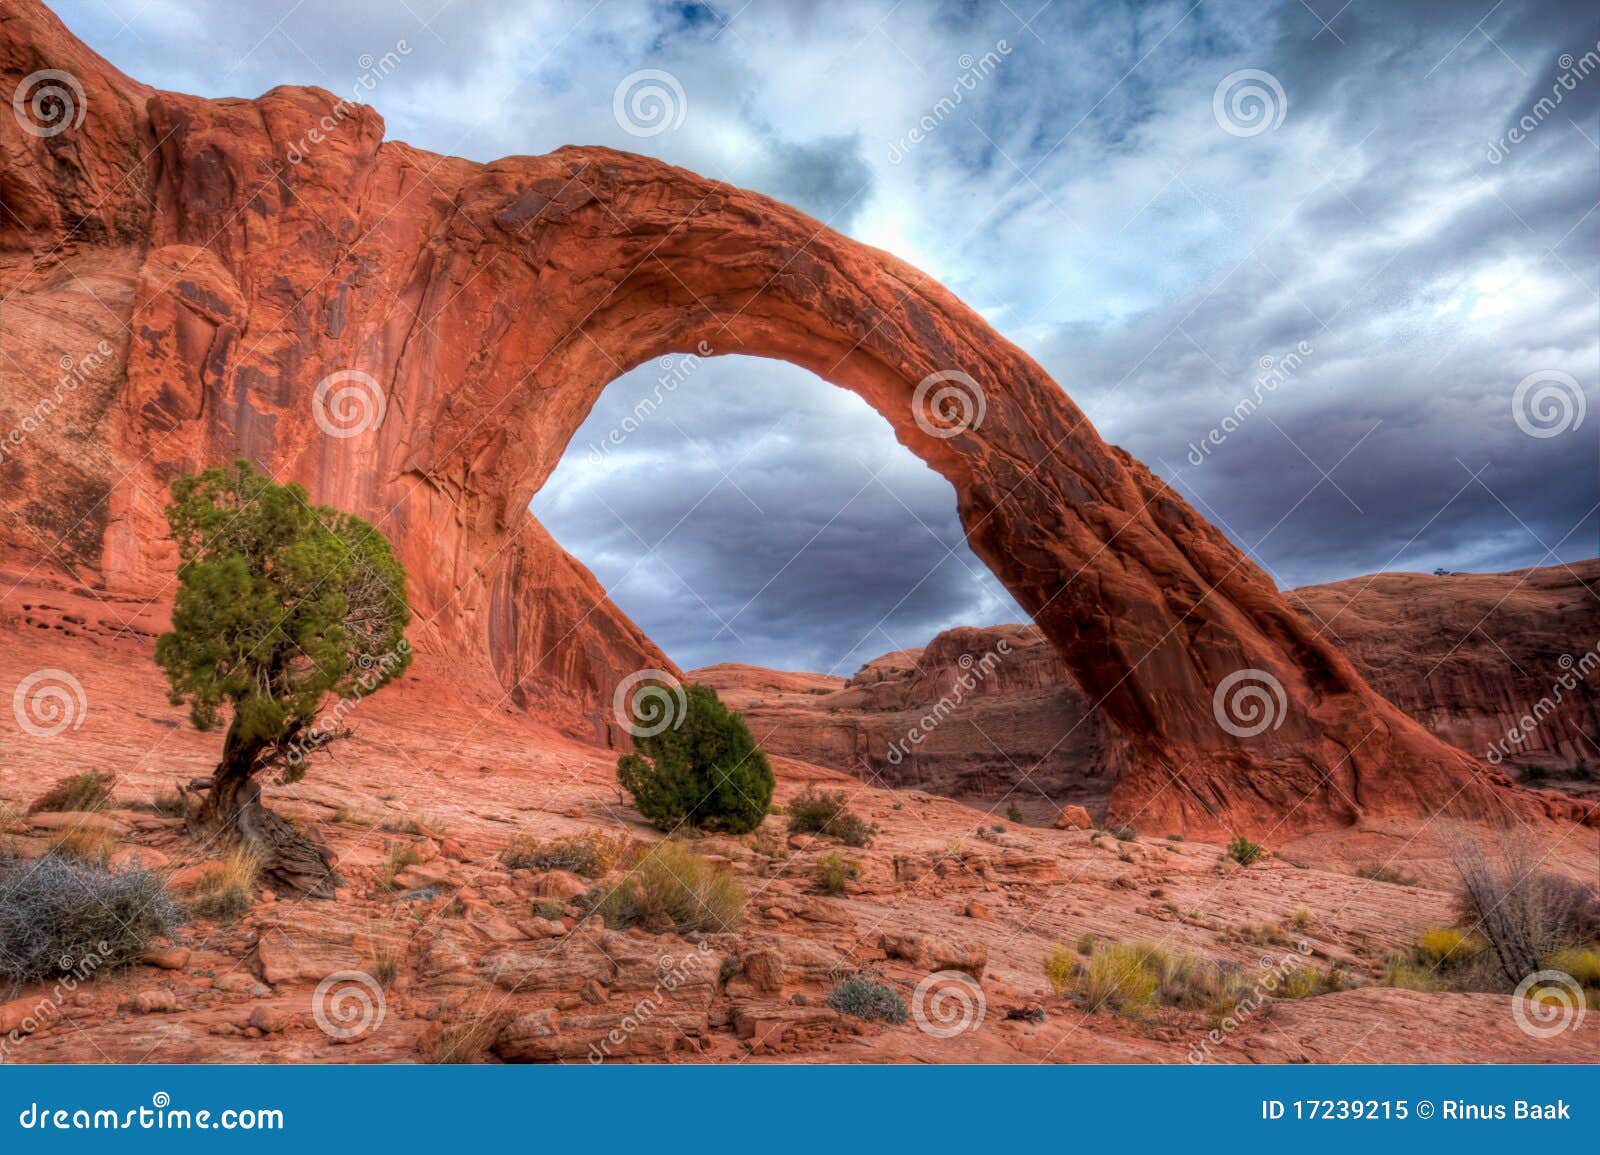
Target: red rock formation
[236,253]
[986,715]
[1472,656]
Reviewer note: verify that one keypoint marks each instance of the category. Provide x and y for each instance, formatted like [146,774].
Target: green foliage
[865,998]
[814,811]
[279,603]
[87,791]
[672,889]
[1245,852]
[833,871]
[707,771]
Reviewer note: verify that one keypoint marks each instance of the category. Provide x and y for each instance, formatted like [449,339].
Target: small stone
[269,1020]
[167,958]
[155,1001]
[978,910]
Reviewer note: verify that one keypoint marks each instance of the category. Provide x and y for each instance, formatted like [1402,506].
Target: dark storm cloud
[1085,198]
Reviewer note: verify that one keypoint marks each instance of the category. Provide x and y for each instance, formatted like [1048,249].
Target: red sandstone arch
[493,303]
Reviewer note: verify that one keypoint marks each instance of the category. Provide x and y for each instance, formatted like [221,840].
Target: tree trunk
[233,807]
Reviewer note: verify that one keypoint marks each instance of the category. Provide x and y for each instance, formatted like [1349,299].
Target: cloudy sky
[1384,203]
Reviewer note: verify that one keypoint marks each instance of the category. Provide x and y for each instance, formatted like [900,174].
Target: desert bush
[1441,947]
[1380,873]
[1122,978]
[814,811]
[87,791]
[56,909]
[1524,915]
[590,854]
[672,889]
[706,770]
[1060,969]
[1300,919]
[1245,852]
[1014,814]
[833,871]
[1582,963]
[227,892]
[864,997]
[1123,833]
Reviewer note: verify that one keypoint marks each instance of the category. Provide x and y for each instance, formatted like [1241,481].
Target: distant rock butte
[1467,655]
[227,262]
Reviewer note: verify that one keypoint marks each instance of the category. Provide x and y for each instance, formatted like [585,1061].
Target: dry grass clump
[228,891]
[672,888]
[399,857]
[87,791]
[1134,978]
[590,854]
[1060,968]
[92,846]
[1381,873]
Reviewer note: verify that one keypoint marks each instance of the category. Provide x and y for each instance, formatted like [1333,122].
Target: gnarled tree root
[232,807]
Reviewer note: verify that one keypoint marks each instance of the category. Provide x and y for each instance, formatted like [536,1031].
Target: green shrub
[57,914]
[863,997]
[590,855]
[1123,833]
[705,771]
[672,889]
[833,871]
[1244,852]
[88,791]
[814,811]
[1014,814]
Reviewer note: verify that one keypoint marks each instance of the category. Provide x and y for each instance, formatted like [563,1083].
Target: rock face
[992,714]
[979,714]
[1476,657]
[415,338]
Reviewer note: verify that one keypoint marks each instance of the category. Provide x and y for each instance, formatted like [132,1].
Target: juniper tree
[280,604]
[706,771]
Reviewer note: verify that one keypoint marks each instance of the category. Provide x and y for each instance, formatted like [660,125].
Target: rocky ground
[492,964]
